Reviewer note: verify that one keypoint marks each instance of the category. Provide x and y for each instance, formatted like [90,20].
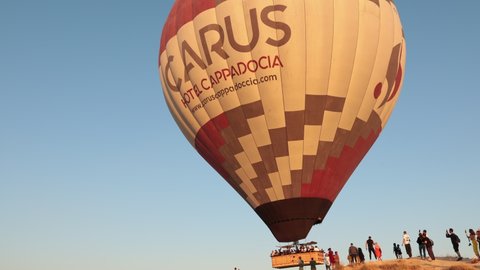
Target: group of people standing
[356,255]
[474,241]
[425,244]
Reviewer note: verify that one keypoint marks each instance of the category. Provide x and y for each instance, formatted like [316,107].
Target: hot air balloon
[283,98]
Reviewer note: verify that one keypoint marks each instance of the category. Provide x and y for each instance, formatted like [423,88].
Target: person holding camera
[455,242]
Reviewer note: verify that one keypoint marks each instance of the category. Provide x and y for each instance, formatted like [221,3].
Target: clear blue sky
[94,173]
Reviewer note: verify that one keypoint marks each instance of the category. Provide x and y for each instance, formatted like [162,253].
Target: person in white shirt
[406,243]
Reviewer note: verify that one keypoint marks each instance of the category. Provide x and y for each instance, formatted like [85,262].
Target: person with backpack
[455,242]
[421,246]
[429,245]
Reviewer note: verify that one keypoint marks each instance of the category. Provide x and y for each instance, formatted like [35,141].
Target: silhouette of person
[406,243]
[313,264]
[397,251]
[369,246]
[378,251]
[337,259]
[361,256]
[300,263]
[327,261]
[353,253]
[331,256]
[474,242]
[429,245]
[455,242]
[421,246]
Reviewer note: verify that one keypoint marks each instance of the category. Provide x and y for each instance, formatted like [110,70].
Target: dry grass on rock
[416,264]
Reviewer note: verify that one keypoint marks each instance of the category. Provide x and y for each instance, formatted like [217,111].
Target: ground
[417,264]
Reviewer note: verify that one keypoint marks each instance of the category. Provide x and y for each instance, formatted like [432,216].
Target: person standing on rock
[369,246]
[455,242]
[406,243]
[429,245]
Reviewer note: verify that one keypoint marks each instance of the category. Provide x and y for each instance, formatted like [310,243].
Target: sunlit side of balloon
[283,98]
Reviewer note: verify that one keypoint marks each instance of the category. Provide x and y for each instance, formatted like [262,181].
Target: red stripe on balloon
[328,183]
[208,142]
[183,12]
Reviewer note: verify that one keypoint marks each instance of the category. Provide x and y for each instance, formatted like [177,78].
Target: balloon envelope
[283,98]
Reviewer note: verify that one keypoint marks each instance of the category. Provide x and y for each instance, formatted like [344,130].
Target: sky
[95,174]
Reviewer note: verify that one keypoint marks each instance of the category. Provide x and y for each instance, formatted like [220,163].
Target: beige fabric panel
[277,185]
[229,101]
[388,53]
[283,164]
[391,105]
[245,25]
[382,60]
[295,150]
[366,51]
[398,38]
[272,97]
[293,55]
[271,194]
[312,139]
[329,130]
[259,124]
[344,47]
[250,188]
[182,124]
[252,202]
[184,120]
[176,67]
[319,45]
[240,23]
[248,144]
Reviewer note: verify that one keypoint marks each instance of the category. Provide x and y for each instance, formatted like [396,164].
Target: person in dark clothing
[353,253]
[421,246]
[397,251]
[370,248]
[429,245]
[361,256]
[313,264]
[455,242]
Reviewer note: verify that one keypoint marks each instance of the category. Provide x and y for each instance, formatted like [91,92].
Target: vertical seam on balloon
[196,117]
[391,106]
[349,136]
[305,109]
[258,91]
[367,92]
[390,9]
[228,148]
[315,187]
[242,109]
[168,91]
[188,111]
[283,103]
[335,140]
[181,118]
